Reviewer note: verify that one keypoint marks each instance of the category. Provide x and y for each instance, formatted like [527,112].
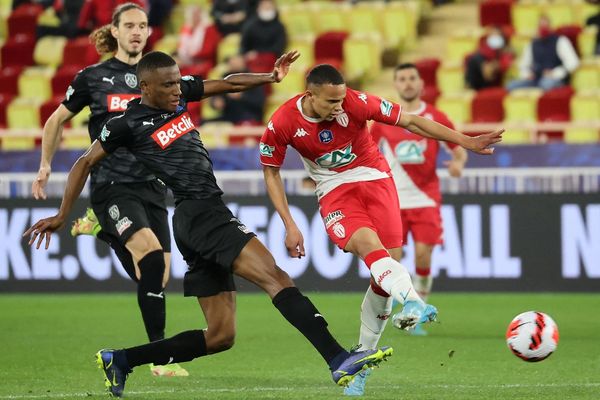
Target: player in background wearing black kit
[127,199]
[214,243]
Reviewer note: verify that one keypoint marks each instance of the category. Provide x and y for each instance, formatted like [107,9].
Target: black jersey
[107,87]
[167,143]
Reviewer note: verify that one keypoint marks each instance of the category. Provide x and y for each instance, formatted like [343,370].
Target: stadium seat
[80,52]
[212,134]
[81,119]
[487,105]
[450,78]
[293,84]
[195,110]
[330,45]
[75,141]
[525,17]
[495,12]
[460,46]
[230,45]
[427,70]
[585,106]
[430,94]
[363,18]
[306,46]
[23,20]
[519,42]
[456,106]
[399,24]
[35,83]
[584,10]
[18,51]
[5,100]
[176,19]
[298,21]
[263,62]
[167,44]
[48,107]
[6,6]
[362,57]
[9,78]
[516,136]
[17,143]
[553,105]
[330,16]
[62,79]
[586,42]
[23,113]
[560,14]
[581,135]
[49,51]
[587,76]
[521,105]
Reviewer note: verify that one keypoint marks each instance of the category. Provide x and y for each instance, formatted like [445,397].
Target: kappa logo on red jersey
[118,102]
[173,130]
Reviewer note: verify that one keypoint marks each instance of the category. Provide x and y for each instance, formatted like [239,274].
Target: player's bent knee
[220,342]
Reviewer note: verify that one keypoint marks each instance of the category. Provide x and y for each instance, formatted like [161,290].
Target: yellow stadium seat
[176,20]
[456,106]
[230,45]
[516,136]
[49,51]
[450,78]
[273,103]
[459,46]
[293,84]
[581,135]
[201,3]
[48,18]
[399,21]
[298,21]
[23,113]
[518,44]
[362,57]
[6,6]
[586,77]
[521,105]
[215,134]
[167,44]
[306,46]
[586,42]
[35,83]
[525,17]
[16,143]
[4,24]
[78,141]
[585,107]
[330,16]
[560,14]
[81,119]
[363,17]
[583,11]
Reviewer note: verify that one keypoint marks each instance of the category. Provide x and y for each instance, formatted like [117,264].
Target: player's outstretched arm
[52,134]
[294,242]
[75,182]
[431,129]
[244,81]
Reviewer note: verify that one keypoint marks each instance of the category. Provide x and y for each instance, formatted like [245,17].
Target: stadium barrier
[530,242]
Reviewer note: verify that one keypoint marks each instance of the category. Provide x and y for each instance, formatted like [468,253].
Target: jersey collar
[306,117]
[419,110]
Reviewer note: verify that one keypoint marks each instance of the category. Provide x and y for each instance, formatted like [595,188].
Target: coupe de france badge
[325,136]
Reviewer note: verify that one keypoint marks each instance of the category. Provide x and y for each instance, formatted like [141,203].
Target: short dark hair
[404,66]
[324,74]
[154,60]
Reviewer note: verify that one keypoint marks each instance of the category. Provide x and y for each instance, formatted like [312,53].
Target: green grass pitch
[48,343]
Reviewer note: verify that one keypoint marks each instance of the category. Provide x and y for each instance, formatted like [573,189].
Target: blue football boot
[358,361]
[114,375]
[413,313]
[357,386]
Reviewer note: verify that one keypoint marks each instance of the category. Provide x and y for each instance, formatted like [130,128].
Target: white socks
[374,314]
[391,276]
[422,284]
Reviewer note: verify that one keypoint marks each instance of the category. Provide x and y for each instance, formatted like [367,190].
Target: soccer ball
[532,336]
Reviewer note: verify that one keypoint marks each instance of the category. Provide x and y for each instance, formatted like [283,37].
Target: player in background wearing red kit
[413,162]
[327,125]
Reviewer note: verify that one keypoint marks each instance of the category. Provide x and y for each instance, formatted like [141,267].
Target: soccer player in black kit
[158,130]
[127,199]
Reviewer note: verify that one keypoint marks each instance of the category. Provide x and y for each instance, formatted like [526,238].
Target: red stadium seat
[48,108]
[554,105]
[18,51]
[62,78]
[427,69]
[487,105]
[495,12]
[263,62]
[23,20]
[9,78]
[195,110]
[5,99]
[330,45]
[430,94]
[80,52]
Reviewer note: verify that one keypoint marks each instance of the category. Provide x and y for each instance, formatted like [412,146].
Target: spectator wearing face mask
[486,67]
[264,33]
[229,15]
[547,62]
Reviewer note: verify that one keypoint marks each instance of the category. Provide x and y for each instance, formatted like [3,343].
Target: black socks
[151,298]
[182,347]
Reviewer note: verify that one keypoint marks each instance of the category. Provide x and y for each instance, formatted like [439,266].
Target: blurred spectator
[97,13]
[67,11]
[158,12]
[595,20]
[198,42]
[487,66]
[547,61]
[264,33]
[229,15]
[242,107]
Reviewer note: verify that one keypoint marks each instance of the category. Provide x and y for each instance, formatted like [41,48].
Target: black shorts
[210,238]
[125,208]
